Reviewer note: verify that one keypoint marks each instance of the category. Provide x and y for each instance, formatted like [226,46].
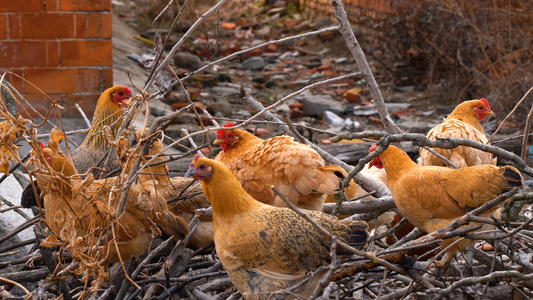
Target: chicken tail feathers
[28,199]
[358,235]
[177,226]
[514,178]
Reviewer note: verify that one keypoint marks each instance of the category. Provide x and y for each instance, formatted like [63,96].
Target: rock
[315,105]
[282,109]
[253,63]
[341,61]
[259,78]
[332,118]
[226,90]
[174,132]
[187,118]
[219,108]
[158,108]
[263,32]
[313,63]
[182,26]
[288,54]
[187,61]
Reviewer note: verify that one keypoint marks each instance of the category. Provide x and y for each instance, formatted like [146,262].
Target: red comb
[42,146]
[196,157]
[127,89]
[220,132]
[485,101]
[372,148]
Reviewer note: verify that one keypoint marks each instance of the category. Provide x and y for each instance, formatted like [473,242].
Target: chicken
[263,248]
[431,197]
[95,144]
[155,179]
[81,213]
[463,123]
[295,169]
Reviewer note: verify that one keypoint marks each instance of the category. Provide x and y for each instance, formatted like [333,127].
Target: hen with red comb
[462,123]
[294,168]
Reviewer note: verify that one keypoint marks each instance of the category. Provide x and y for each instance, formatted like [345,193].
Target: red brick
[107,78]
[92,5]
[3,27]
[14,25]
[21,5]
[86,53]
[81,25]
[51,5]
[22,54]
[52,51]
[87,102]
[94,25]
[47,26]
[41,103]
[106,26]
[51,80]
[88,80]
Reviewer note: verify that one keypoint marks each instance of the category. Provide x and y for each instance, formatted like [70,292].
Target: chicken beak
[190,172]
[490,113]
[217,141]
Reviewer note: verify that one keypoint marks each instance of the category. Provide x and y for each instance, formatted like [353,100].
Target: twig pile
[171,268]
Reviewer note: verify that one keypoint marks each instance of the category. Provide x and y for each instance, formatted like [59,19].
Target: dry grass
[471,49]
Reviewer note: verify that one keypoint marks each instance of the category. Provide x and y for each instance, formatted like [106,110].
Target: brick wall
[61,46]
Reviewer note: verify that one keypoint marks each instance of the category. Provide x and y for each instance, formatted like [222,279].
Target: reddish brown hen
[295,169]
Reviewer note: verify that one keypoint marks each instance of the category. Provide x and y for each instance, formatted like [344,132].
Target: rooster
[263,248]
[79,213]
[463,123]
[295,169]
[95,144]
[431,197]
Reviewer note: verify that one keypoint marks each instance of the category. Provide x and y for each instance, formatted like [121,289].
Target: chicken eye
[121,93]
[230,135]
[202,167]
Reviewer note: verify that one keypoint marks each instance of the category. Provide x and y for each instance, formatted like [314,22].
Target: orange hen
[463,123]
[263,248]
[80,213]
[295,169]
[431,197]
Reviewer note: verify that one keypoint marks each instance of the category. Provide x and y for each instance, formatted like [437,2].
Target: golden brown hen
[463,123]
[263,248]
[155,179]
[431,197]
[96,144]
[295,169]
[81,213]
